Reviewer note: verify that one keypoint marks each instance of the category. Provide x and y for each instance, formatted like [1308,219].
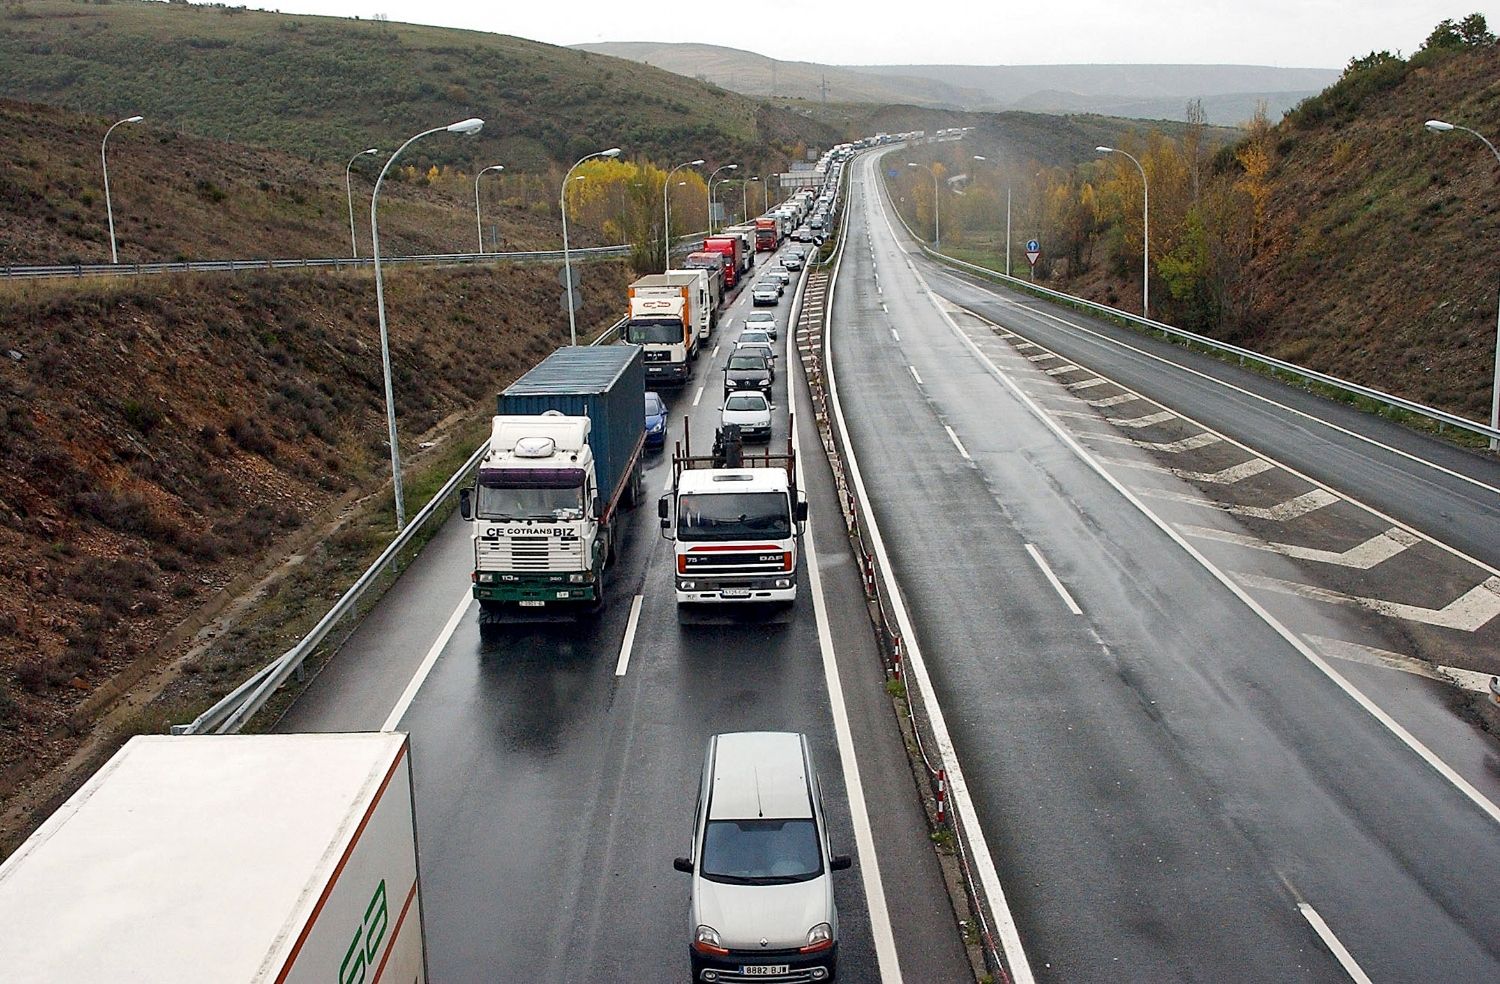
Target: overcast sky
[1292,33]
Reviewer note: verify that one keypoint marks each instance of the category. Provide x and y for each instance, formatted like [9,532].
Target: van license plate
[736,593]
[531,604]
[764,970]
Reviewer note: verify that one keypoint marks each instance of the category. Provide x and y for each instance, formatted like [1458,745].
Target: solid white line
[913,371]
[420,677]
[864,837]
[635,617]
[698,396]
[1294,640]
[1057,585]
[957,443]
[895,336]
[958,786]
[1340,952]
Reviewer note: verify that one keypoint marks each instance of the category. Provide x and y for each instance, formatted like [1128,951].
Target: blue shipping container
[605,383]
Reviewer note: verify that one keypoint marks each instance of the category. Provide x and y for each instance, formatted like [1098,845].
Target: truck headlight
[577,578]
[783,582]
[486,577]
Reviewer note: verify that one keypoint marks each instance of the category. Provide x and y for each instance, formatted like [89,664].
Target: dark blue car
[656,421]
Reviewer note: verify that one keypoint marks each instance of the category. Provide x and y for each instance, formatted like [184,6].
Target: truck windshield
[529,503]
[761,852]
[734,516]
[654,332]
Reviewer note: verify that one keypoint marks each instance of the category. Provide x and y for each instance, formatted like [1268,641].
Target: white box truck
[225,858]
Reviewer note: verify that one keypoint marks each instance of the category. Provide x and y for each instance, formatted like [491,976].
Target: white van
[762,898]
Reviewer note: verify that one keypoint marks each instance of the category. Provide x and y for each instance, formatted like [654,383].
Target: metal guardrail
[336,263]
[234,710]
[1442,417]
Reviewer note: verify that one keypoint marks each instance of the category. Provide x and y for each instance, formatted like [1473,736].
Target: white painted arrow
[1469,612]
[1293,508]
[1376,550]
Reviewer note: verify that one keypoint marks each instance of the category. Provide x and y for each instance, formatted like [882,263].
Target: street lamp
[726,167]
[937,228]
[756,179]
[462,126]
[114,256]
[349,190]
[1145,231]
[562,200]
[978,157]
[1438,126]
[477,226]
[666,211]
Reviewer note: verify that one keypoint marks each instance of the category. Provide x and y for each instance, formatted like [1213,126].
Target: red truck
[766,234]
[733,248]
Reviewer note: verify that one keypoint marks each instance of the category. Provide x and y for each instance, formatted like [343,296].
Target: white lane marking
[957,443]
[1225,476]
[884,309]
[894,336]
[1354,652]
[1112,401]
[1361,557]
[425,667]
[1293,508]
[913,371]
[1057,585]
[1171,447]
[958,786]
[635,617]
[1062,369]
[715,353]
[1149,420]
[1354,693]
[864,837]
[1340,952]
[1469,612]
[698,395]
[1084,384]
[1042,357]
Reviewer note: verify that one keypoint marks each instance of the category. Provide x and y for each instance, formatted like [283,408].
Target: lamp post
[756,179]
[1438,126]
[726,167]
[349,190]
[978,157]
[1145,231]
[478,227]
[937,227]
[666,211]
[114,256]
[462,126]
[562,200]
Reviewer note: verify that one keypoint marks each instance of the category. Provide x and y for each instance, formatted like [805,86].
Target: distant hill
[1229,92]
[325,87]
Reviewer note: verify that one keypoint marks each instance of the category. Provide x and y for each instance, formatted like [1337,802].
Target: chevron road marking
[1376,550]
[1171,447]
[1088,383]
[1022,345]
[1225,476]
[1293,508]
[1043,357]
[1469,612]
[1113,401]
[1059,370]
[1354,652]
[1149,420]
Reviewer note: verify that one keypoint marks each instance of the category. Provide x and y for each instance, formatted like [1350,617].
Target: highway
[556,770]
[1175,782]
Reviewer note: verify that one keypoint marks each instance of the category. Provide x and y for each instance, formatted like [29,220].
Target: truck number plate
[736,593]
[531,604]
[764,970]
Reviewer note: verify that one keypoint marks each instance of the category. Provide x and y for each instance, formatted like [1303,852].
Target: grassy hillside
[326,87]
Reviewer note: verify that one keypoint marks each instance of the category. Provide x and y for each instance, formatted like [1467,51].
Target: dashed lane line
[1335,945]
[913,371]
[957,443]
[635,617]
[1036,556]
[425,667]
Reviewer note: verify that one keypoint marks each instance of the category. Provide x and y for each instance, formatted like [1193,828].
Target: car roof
[760,316]
[759,774]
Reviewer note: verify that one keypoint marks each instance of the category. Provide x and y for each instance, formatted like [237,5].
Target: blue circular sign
[1032,246]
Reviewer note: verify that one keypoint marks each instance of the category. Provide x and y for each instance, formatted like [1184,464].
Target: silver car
[750,412]
[762,895]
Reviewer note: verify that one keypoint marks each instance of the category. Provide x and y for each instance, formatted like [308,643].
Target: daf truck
[767,234]
[735,520]
[239,859]
[668,313]
[564,459]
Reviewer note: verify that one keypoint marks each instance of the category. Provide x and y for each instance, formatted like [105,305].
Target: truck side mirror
[594,508]
[664,513]
[801,508]
[466,504]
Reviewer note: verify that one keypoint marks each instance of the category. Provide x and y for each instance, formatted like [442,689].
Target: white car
[765,295]
[751,411]
[753,335]
[764,321]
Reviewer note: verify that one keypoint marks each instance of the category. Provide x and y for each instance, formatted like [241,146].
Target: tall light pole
[1145,230]
[725,167]
[1438,126]
[562,201]
[462,126]
[349,190]
[756,178]
[114,256]
[937,227]
[478,227]
[978,157]
[666,211]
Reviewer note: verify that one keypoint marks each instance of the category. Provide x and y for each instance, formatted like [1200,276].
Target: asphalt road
[553,791]
[1171,790]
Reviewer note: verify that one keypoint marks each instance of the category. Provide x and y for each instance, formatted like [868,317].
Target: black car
[747,371]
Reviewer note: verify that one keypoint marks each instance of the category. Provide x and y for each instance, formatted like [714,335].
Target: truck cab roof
[713,480]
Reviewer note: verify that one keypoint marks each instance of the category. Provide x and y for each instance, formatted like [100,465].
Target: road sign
[562,278]
[577,299]
[1033,251]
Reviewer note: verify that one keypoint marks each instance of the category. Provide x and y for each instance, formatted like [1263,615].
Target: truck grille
[531,554]
[769,560]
